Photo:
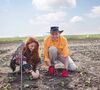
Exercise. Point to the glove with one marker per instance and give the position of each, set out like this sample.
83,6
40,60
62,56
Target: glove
51,70
64,73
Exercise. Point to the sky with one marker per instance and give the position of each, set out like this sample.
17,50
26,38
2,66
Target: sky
35,17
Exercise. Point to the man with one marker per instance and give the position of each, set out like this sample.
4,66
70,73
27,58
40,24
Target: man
56,48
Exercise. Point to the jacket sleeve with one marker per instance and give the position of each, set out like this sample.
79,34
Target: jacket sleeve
38,63
18,50
46,56
65,51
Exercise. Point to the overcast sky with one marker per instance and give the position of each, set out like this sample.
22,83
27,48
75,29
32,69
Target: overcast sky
35,17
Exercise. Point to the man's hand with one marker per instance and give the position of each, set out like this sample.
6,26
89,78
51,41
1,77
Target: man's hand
48,63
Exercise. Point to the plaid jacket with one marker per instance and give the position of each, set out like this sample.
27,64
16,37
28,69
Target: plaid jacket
18,56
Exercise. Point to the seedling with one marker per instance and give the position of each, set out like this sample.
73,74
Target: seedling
62,84
6,87
78,67
17,73
11,79
88,80
30,77
81,73
26,85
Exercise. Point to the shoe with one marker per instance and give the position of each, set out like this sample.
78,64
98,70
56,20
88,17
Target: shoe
13,64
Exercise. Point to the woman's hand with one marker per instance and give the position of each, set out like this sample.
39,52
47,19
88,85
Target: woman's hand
35,75
37,72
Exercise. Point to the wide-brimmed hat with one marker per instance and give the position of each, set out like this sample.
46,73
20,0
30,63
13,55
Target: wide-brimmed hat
55,29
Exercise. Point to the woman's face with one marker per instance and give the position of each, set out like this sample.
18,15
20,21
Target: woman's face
32,46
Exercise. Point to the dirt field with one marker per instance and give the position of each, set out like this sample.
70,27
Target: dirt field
85,53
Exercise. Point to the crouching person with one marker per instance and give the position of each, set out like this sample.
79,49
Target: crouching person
27,54
56,48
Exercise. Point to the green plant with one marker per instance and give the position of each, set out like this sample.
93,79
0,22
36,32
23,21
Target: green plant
26,85
7,87
62,84
88,80
78,67
30,77
81,73
11,79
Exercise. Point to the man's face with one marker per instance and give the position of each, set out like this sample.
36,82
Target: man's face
55,36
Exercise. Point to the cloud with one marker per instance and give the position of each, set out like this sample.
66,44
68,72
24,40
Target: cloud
53,4
76,19
95,12
98,28
48,18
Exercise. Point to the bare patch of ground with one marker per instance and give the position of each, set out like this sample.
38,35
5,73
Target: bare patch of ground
85,53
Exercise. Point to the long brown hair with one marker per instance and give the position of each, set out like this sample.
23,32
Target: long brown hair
31,56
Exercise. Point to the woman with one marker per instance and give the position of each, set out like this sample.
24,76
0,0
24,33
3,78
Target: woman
28,53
